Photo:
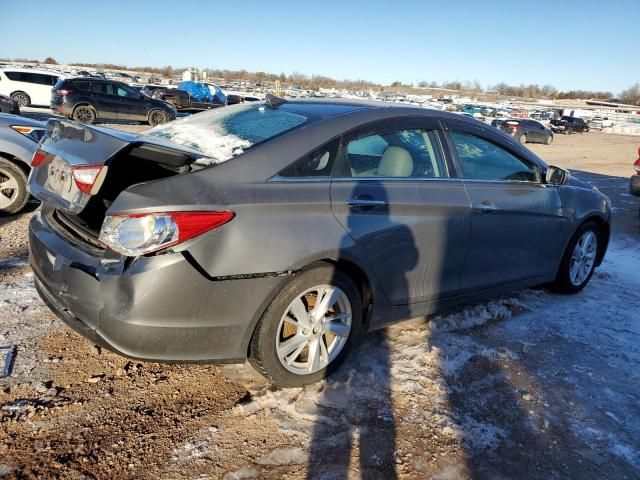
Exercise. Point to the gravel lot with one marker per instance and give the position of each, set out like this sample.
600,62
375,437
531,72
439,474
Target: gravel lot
530,385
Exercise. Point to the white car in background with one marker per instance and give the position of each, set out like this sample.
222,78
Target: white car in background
28,86
601,122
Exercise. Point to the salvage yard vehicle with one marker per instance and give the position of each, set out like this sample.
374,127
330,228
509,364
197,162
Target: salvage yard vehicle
86,100
634,181
569,125
181,99
7,105
282,230
19,137
599,123
526,131
27,86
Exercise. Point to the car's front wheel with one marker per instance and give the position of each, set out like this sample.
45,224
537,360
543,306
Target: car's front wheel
522,139
579,260
308,329
549,139
13,187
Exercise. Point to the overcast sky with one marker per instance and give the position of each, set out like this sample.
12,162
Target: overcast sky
569,44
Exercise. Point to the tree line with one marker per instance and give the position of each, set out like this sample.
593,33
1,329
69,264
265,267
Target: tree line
314,82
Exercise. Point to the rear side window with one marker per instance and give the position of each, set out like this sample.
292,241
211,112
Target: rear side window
15,76
413,153
484,160
318,163
102,87
81,85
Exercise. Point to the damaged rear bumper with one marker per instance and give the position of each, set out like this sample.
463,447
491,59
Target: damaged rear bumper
157,308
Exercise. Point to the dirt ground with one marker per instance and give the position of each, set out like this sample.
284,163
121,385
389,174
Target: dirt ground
419,400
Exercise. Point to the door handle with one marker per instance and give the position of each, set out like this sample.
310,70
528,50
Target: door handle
486,207
365,202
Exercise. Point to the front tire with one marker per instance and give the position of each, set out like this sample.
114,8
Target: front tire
21,98
308,329
579,260
13,187
549,140
522,139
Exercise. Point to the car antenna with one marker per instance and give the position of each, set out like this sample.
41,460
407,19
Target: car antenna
274,101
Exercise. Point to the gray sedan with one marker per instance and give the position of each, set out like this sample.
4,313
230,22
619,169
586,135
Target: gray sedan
282,230
18,139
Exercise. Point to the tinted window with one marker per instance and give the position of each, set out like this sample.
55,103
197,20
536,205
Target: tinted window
403,154
319,163
102,87
123,91
484,160
15,76
81,85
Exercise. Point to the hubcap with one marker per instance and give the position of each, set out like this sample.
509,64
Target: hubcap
8,189
314,329
583,258
21,100
84,115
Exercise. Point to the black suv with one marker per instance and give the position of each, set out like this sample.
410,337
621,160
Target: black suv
524,130
569,125
87,99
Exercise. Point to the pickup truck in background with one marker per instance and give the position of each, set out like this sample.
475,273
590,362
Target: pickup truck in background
569,125
601,122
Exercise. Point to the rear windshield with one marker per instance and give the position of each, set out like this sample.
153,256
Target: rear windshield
229,131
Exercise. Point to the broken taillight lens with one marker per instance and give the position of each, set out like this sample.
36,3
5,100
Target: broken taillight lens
636,166
86,177
139,234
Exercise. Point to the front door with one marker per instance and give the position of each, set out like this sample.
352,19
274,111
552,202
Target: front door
393,193
132,105
516,218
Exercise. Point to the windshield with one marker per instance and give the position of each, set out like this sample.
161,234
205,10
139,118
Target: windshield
226,132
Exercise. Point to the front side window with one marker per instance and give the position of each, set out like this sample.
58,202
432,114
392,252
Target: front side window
484,160
413,153
123,91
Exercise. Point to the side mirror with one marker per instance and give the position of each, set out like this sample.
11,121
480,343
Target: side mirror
557,176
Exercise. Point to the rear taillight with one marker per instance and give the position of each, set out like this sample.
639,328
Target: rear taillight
636,166
40,157
88,178
139,234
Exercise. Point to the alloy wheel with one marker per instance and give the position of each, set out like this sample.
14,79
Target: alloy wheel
314,329
83,115
583,258
8,189
21,99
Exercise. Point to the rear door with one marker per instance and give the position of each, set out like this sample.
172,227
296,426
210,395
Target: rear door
394,193
516,218
105,100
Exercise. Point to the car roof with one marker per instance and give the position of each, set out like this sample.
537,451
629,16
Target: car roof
32,70
8,119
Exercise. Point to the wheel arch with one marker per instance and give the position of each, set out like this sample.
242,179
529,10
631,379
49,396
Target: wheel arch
24,166
604,229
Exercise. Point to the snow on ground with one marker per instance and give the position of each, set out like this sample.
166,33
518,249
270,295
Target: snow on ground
531,370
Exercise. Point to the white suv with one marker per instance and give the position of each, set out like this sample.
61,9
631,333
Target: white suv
28,87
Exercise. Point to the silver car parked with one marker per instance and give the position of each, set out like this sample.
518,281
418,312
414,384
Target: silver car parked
282,230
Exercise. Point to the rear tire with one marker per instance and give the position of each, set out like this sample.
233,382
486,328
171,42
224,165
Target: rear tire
84,114
13,187
269,349
21,98
522,139
568,131
158,117
566,281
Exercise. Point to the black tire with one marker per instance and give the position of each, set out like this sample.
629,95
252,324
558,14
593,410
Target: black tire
21,98
12,200
568,131
563,283
262,351
84,114
549,140
522,139
157,117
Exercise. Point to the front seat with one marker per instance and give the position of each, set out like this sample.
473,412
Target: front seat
395,162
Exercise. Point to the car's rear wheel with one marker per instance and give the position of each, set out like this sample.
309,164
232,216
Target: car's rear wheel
549,139
84,114
579,260
568,130
13,187
21,98
158,117
522,139
308,329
